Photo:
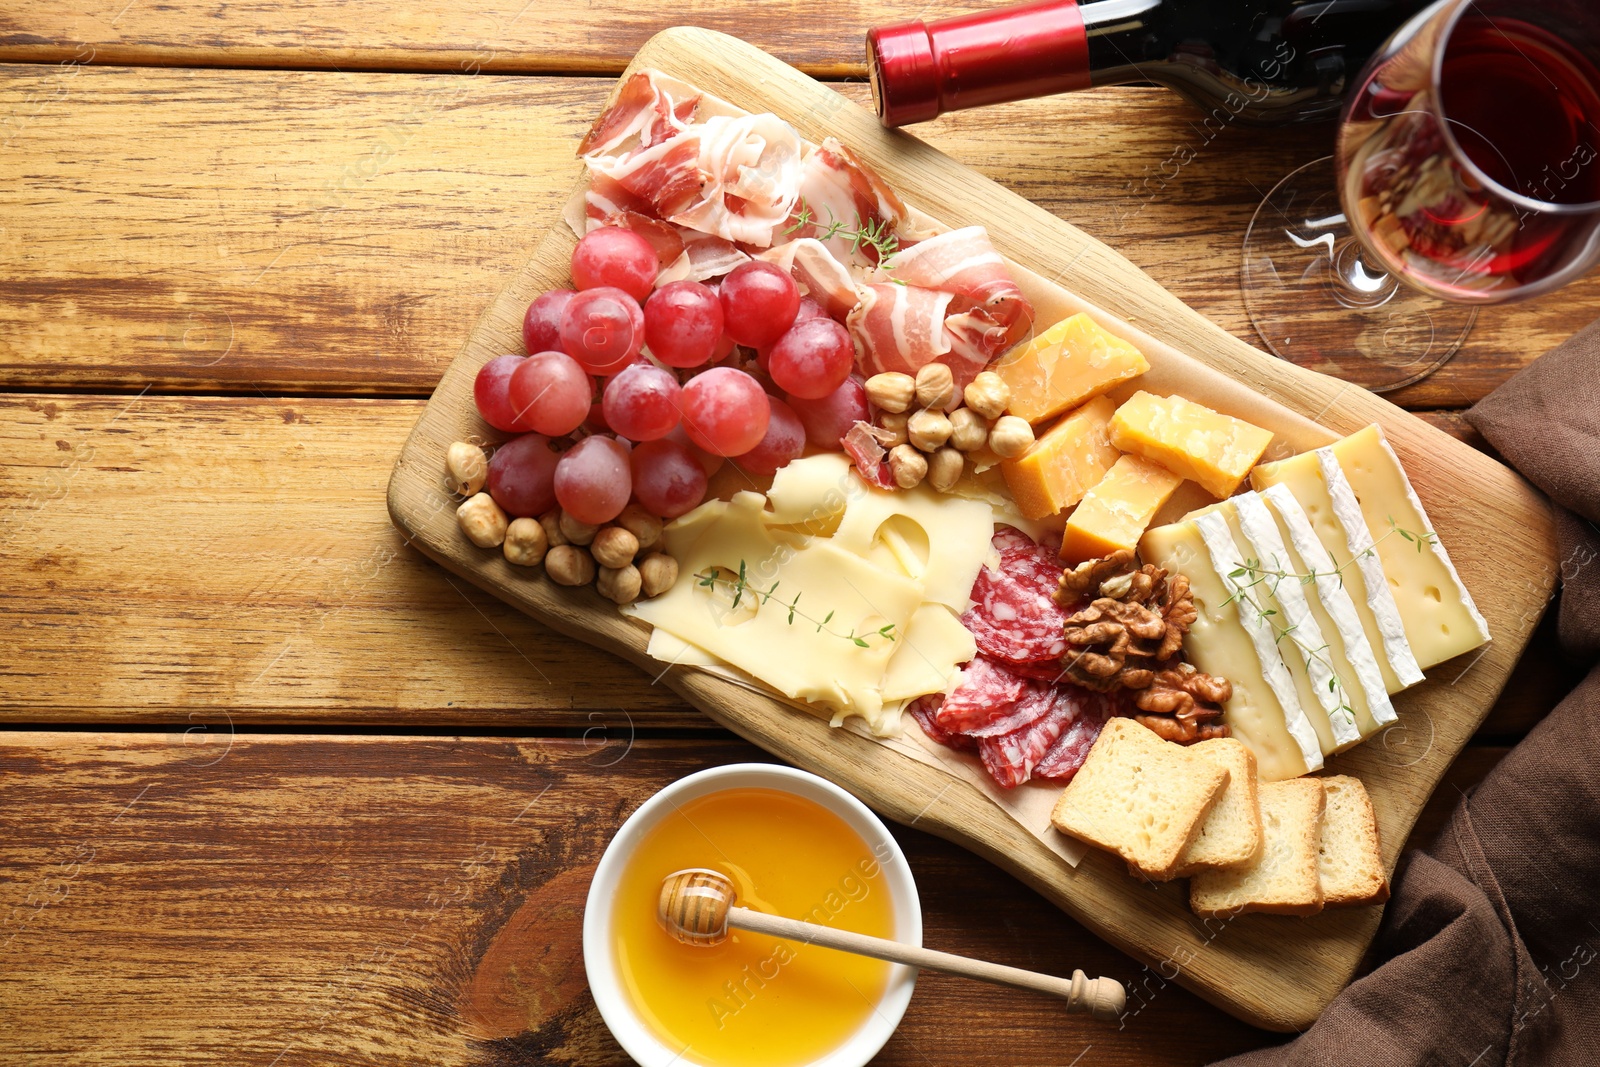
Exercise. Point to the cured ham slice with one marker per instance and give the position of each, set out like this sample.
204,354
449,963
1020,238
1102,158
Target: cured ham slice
647,112
703,256
837,187
899,327
818,274
607,203
964,262
861,444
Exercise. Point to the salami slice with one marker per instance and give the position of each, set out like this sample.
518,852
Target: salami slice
926,711
1011,758
1036,702
1014,617
985,693
1089,712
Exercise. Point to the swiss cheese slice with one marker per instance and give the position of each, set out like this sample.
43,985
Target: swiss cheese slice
1440,619
1331,507
1334,689
929,656
1218,644
1336,614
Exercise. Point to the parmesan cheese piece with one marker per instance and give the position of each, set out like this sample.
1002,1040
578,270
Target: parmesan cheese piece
1218,644
1190,439
1440,619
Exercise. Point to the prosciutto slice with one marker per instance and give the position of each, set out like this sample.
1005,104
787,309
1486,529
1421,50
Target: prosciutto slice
899,327
991,312
646,112
818,273
837,187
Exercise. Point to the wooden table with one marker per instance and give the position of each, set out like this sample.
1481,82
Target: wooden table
273,789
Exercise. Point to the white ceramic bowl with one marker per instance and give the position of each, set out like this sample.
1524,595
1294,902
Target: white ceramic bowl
600,963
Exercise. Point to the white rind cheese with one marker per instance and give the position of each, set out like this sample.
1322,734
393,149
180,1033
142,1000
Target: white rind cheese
1218,539
1345,631
1305,634
1440,619
1380,598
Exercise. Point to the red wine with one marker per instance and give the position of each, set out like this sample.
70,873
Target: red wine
1260,62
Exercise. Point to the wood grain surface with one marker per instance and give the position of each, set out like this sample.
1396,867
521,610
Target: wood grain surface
1273,974
290,232
329,901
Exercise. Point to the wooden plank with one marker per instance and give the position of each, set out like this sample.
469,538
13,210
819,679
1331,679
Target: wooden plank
1500,532
241,559
288,231
513,36
297,901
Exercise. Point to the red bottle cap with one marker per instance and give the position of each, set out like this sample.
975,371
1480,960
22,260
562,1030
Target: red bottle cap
921,70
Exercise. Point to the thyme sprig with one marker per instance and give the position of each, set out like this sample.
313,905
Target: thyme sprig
874,234
740,586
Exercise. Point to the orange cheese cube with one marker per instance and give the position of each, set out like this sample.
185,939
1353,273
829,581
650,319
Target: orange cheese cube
1064,366
1190,439
1060,467
1113,515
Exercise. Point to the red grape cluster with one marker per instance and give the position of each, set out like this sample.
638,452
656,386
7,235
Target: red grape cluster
653,377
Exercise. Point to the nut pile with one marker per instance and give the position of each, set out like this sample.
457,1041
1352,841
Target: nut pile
929,430
618,558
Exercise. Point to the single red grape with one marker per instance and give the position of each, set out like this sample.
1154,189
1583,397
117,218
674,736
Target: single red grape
614,256
827,420
785,439
708,463
667,480
812,359
490,393
725,411
809,309
541,326
602,329
550,393
759,302
520,476
592,481
683,324
641,403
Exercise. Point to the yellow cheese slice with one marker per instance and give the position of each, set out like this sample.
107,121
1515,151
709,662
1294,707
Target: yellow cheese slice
1440,619
1115,513
929,656
1065,365
1218,644
938,539
1190,439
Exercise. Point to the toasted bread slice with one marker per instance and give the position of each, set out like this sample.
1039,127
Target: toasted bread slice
1285,880
1350,860
1140,797
1230,837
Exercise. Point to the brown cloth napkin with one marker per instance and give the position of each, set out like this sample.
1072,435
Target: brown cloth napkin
1489,953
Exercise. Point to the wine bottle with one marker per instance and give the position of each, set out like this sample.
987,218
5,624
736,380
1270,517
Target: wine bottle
1257,62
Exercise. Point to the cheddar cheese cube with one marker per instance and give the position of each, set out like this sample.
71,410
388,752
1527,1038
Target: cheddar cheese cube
1190,439
1069,363
1114,514
1061,465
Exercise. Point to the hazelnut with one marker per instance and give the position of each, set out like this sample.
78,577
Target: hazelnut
526,543
928,429
988,395
944,468
639,522
569,565
936,386
482,521
551,521
614,547
968,430
577,533
619,584
658,572
908,466
467,468
891,392
895,424
1011,437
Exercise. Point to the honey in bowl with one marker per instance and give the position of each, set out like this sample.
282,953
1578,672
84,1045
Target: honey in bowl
753,1000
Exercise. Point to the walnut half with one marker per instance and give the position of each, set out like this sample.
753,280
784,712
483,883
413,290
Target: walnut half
1182,704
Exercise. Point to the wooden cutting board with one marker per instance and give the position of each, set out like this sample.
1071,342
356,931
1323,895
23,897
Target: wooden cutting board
1272,971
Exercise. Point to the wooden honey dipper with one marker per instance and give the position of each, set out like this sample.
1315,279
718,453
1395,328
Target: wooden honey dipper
697,906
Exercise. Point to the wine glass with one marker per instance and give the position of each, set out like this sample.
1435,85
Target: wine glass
1467,172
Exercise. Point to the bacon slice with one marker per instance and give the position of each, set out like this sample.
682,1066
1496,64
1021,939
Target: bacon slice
898,327
646,110
818,274
837,186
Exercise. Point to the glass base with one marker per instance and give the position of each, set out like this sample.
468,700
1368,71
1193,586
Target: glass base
1317,303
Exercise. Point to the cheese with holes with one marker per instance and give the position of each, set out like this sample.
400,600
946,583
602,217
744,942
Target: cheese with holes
1331,507
758,636
1336,613
1064,463
1065,365
1114,514
1440,619
1333,688
1190,439
1218,644
930,654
